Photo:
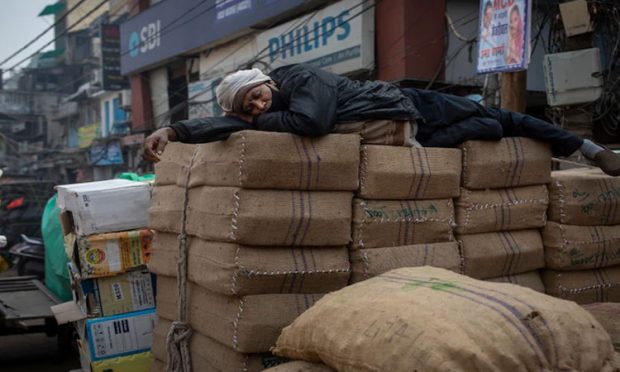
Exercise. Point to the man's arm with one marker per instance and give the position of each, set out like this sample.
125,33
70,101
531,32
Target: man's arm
312,107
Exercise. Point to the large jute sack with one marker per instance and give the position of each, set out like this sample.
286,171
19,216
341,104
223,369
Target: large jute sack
234,269
501,209
270,217
271,160
489,255
173,164
509,162
431,319
571,247
608,314
368,263
164,254
379,132
300,366
166,208
530,279
247,324
390,223
391,172
208,355
584,196
584,286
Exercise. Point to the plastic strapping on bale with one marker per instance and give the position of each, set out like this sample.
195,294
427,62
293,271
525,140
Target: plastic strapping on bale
177,340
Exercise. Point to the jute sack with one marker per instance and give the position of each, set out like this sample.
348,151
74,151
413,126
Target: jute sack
164,254
270,217
389,223
233,269
300,366
391,172
270,160
608,314
247,324
584,196
173,163
489,255
208,355
584,286
166,208
368,263
570,247
516,208
531,280
509,162
379,132
431,319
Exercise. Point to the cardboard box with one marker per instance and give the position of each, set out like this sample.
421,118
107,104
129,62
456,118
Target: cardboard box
124,293
104,206
119,335
108,254
140,362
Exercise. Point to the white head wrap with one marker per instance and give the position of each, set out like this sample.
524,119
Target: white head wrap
231,90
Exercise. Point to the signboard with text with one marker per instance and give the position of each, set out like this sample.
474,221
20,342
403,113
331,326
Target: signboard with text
504,35
111,58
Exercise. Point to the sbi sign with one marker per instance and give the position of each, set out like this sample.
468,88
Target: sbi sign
147,39
305,39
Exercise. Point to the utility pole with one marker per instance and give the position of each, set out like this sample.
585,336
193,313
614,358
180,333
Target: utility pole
513,91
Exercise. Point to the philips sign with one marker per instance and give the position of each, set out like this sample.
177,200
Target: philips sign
339,38
147,39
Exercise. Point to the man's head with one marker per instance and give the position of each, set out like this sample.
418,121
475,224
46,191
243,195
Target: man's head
488,14
245,92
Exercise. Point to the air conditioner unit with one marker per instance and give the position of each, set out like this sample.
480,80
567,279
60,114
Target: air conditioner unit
125,98
573,77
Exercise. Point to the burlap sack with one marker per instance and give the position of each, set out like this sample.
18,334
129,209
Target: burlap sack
270,160
431,319
584,286
608,314
390,172
300,366
270,217
233,269
247,324
166,208
509,162
531,280
173,164
208,355
165,253
570,247
501,209
489,255
379,132
368,263
389,223
584,196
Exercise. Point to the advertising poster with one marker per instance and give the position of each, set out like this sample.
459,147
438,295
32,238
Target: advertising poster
504,35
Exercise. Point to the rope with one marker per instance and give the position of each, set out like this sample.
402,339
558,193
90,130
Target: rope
557,160
177,340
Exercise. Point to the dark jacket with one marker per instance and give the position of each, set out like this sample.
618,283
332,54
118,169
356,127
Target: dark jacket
316,101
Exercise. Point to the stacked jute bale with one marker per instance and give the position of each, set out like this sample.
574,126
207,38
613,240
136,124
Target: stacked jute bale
502,206
582,238
268,219
403,213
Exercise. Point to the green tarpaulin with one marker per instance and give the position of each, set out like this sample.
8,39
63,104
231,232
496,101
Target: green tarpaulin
56,274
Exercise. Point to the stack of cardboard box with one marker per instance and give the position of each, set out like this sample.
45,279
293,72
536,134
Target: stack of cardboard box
582,238
502,206
108,245
268,219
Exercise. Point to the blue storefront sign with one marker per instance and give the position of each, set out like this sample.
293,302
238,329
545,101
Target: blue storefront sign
170,28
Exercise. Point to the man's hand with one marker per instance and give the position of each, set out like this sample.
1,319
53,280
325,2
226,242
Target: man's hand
155,144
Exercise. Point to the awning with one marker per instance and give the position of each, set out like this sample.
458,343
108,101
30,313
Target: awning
52,9
51,53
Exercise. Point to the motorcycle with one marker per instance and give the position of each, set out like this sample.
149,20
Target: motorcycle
28,256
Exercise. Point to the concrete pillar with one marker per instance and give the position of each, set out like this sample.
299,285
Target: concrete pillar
141,107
